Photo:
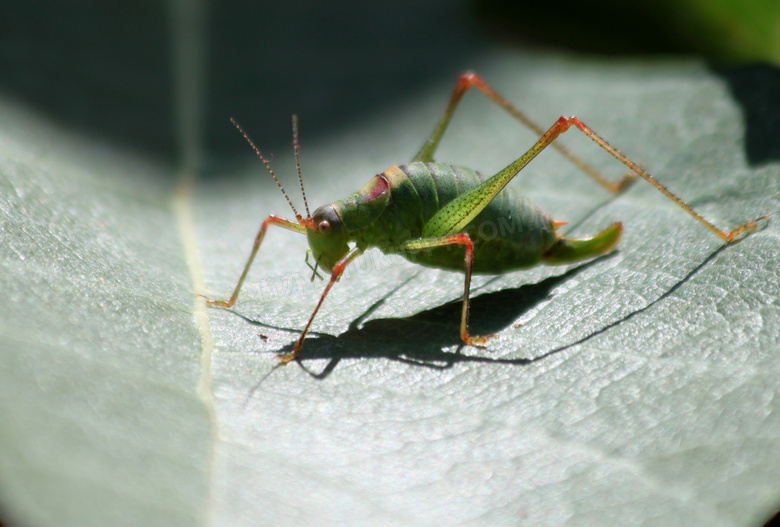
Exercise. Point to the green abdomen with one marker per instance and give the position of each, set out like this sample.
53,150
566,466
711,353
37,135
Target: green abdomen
510,233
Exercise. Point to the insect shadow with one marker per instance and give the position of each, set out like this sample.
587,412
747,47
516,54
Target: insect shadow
421,338
411,340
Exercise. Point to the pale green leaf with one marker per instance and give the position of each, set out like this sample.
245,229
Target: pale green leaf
637,389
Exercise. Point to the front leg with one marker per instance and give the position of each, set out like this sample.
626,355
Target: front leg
270,220
338,269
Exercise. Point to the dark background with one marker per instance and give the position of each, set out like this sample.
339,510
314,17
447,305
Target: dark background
108,68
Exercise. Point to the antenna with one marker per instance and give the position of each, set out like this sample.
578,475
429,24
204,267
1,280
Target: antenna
297,147
267,166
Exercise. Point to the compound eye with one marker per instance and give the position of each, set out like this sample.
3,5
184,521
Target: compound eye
326,220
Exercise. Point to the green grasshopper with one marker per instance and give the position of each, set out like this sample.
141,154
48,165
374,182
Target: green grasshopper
423,209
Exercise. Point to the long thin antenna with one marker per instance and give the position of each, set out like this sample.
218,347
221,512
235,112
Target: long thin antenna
297,147
267,166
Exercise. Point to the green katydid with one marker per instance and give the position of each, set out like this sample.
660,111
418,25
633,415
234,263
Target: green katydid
422,209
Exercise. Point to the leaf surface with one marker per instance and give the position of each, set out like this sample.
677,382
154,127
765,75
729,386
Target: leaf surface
639,388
